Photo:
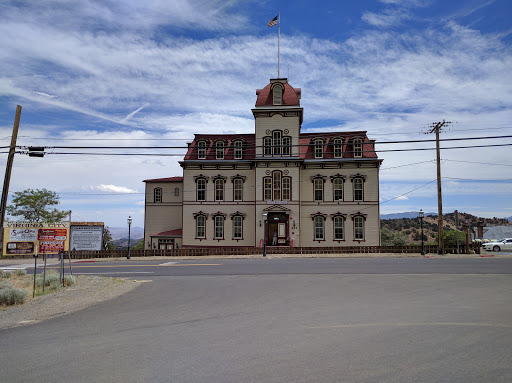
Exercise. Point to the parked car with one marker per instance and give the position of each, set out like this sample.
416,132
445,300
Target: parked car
502,244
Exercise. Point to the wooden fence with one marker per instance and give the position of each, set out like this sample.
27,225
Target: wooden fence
234,251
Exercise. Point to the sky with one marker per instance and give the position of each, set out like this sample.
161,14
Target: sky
154,73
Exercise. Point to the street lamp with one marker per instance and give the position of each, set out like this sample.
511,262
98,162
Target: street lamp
129,220
422,244
265,234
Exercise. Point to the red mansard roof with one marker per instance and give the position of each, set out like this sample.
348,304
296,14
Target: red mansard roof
248,142
291,95
306,142
169,179
176,233
307,147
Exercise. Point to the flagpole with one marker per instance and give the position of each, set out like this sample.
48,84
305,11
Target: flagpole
278,38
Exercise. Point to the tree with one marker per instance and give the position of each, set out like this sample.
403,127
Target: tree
393,238
108,242
139,245
33,206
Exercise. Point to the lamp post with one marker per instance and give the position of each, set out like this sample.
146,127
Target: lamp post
129,220
422,244
265,234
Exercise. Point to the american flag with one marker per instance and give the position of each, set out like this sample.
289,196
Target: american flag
272,22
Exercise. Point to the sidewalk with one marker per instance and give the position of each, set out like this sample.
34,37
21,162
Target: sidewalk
23,263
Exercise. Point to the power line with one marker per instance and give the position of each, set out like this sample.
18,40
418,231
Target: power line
477,162
261,146
266,157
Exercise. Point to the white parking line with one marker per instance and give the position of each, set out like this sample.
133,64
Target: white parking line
167,263
118,272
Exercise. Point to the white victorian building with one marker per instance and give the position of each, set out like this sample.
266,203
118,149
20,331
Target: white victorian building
277,185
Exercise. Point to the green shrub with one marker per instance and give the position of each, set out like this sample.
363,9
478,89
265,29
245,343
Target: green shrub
69,280
12,296
1,273
7,274
6,285
54,285
21,272
51,277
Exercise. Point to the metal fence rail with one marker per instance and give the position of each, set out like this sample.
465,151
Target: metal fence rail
234,251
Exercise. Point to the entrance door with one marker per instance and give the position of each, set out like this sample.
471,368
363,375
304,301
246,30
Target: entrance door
277,226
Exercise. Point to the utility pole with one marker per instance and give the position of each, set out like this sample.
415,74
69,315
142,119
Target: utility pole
8,168
440,247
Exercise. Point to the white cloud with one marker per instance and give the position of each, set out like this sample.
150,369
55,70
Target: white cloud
112,189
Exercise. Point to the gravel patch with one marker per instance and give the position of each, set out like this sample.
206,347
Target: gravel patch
87,291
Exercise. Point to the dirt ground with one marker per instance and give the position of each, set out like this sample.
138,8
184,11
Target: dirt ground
87,291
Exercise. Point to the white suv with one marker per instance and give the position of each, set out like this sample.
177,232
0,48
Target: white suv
502,244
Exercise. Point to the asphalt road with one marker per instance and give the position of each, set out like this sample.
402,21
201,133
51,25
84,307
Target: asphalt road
281,320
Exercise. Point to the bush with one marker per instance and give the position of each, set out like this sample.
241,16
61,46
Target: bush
6,285
51,277
12,296
21,272
7,274
54,285
69,280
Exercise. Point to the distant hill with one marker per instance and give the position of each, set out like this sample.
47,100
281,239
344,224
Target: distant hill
411,226
123,242
122,232
407,214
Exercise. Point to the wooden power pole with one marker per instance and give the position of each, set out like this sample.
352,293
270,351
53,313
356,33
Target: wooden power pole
8,168
440,232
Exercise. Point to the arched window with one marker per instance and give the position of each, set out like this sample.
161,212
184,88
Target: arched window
201,189
157,195
276,184
277,142
267,189
238,219
218,226
358,189
219,189
238,150
201,150
338,148
238,184
287,145
338,223
359,228
278,95
357,147
319,148
318,186
337,188
267,146
200,226
319,227
287,188
219,150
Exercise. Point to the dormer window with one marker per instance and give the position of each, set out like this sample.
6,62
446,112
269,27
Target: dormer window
219,146
319,148
238,150
358,147
338,148
278,95
201,150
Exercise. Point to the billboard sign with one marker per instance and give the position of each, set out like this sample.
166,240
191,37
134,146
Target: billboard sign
86,237
22,237
14,248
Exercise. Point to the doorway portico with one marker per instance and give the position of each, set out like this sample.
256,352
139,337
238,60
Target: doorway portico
277,226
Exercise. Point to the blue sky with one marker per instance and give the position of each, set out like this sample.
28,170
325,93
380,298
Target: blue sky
153,73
